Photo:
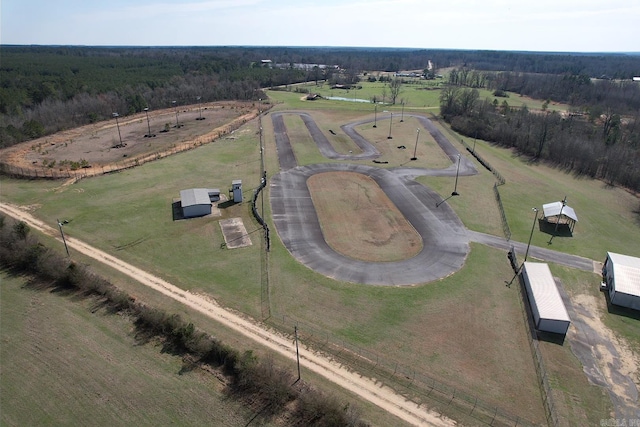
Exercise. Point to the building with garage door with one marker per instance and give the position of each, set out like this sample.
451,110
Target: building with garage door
548,309
197,201
621,274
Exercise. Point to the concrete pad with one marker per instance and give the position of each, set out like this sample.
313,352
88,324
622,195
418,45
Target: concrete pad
235,234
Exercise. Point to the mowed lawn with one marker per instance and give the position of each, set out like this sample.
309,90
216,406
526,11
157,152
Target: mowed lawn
65,363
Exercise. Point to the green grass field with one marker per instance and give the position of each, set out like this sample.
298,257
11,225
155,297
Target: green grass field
434,328
65,363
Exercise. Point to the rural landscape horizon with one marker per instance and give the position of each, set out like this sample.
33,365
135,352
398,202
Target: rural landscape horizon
203,224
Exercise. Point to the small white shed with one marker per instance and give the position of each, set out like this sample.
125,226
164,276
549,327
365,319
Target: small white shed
560,213
622,276
549,312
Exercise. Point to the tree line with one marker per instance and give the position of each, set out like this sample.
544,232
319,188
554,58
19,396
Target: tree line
45,89
268,389
605,147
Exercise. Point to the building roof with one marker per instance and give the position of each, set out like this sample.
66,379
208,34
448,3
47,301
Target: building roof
626,272
553,209
545,292
195,196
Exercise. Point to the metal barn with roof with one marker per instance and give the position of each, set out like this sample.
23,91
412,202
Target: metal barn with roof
621,274
559,213
547,307
197,201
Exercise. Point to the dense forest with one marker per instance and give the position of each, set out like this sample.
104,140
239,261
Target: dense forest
45,89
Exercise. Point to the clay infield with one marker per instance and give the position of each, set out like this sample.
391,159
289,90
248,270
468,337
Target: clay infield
445,243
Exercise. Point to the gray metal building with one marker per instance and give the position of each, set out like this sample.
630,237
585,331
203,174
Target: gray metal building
549,312
622,277
197,201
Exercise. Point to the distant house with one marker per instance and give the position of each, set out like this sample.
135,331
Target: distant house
621,274
636,79
197,201
266,63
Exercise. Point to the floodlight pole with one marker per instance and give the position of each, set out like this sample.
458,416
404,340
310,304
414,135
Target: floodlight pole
375,115
146,110
66,248
555,230
390,122
402,116
118,126
535,216
175,105
455,187
199,98
415,149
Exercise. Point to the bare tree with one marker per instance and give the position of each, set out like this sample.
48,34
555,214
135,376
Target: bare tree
395,86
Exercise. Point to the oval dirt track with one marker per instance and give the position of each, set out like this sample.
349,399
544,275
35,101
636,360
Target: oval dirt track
445,241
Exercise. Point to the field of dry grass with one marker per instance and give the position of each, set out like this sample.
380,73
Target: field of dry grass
359,221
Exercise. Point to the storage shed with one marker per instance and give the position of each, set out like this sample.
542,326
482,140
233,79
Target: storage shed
547,307
197,201
621,274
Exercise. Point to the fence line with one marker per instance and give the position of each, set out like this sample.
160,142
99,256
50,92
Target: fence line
543,377
128,163
414,385
503,216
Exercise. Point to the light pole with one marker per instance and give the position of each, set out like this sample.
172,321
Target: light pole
199,98
455,187
402,115
535,216
555,230
66,248
149,135
416,147
390,121
118,126
175,105
375,115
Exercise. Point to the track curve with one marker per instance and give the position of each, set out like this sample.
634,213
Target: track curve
445,240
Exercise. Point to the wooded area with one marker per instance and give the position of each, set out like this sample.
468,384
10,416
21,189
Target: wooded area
45,89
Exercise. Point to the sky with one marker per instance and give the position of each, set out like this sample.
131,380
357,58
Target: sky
538,25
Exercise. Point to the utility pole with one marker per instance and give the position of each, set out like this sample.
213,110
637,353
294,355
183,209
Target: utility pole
415,149
66,248
555,230
455,187
390,121
375,116
295,329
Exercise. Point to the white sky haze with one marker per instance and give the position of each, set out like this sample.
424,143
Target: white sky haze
541,25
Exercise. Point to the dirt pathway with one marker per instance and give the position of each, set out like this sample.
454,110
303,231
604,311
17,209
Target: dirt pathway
366,388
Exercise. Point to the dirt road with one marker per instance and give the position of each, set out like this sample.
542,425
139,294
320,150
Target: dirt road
366,388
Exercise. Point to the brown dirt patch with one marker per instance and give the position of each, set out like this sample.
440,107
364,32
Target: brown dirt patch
97,146
359,221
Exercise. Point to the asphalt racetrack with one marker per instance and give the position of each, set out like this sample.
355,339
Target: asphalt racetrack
445,239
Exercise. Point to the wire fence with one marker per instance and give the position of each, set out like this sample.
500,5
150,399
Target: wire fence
411,383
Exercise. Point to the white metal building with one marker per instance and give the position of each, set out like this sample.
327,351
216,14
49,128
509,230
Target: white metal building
560,213
622,276
197,201
549,312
